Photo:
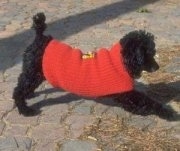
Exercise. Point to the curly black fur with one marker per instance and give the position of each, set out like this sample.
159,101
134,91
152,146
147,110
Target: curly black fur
32,75
138,53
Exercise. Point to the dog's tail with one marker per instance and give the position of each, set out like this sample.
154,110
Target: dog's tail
39,23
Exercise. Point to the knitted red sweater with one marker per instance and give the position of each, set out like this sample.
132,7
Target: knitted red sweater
100,75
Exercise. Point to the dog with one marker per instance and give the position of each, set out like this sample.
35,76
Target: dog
133,54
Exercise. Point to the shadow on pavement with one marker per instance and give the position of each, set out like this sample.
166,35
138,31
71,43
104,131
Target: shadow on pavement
11,48
161,92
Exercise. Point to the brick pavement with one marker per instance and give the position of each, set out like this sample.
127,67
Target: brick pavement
68,122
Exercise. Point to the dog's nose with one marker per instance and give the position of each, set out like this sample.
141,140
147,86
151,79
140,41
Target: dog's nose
154,68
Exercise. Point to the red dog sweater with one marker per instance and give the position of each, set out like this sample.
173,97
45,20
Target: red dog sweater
102,74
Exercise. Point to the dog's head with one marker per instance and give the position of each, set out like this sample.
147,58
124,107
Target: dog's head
138,52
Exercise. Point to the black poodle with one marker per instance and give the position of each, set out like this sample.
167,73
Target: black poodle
138,51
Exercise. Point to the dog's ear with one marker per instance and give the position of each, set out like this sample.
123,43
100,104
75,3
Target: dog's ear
134,61
139,57
133,53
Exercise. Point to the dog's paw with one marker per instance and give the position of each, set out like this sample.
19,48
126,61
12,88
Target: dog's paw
167,113
27,111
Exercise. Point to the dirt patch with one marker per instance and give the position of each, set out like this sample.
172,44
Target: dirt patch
113,134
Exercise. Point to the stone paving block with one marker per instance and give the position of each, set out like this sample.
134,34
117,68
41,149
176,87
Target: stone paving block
20,18
6,105
54,114
78,145
46,145
12,143
7,89
24,143
15,130
12,74
1,77
2,24
174,66
2,114
8,144
89,102
6,33
176,132
2,126
2,28
82,109
117,112
13,26
166,125
4,62
48,132
77,123
143,123
99,109
5,20
26,25
15,118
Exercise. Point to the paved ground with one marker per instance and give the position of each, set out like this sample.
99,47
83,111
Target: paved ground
70,123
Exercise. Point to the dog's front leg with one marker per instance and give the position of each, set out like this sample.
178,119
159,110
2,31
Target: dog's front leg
138,103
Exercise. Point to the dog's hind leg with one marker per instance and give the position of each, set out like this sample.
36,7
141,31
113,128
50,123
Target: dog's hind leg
27,83
32,75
